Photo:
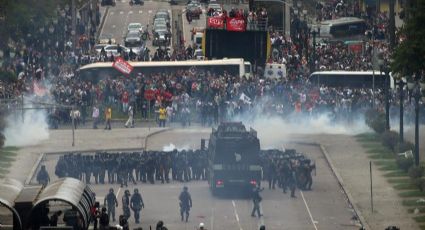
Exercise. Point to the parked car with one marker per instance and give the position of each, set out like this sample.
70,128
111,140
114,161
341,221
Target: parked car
162,14
133,38
108,3
194,10
135,26
114,49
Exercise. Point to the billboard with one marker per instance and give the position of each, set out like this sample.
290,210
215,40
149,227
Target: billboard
249,45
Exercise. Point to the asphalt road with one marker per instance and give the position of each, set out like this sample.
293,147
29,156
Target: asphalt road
323,208
122,14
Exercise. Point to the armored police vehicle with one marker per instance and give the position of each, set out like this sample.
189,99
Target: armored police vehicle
234,159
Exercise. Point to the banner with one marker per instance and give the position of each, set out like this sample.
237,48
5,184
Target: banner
121,65
235,24
215,22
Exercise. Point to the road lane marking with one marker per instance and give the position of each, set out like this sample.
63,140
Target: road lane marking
112,13
118,193
130,12
113,26
121,12
308,210
140,11
236,215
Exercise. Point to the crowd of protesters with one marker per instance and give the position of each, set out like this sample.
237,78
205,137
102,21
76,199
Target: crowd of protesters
207,97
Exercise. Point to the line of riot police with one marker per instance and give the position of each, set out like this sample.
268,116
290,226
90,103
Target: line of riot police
287,169
125,167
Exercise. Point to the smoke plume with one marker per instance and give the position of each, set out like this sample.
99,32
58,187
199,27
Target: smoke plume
26,127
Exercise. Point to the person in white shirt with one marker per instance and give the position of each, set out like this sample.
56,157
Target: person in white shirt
95,116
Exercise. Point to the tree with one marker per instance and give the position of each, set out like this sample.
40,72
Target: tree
2,126
18,18
409,56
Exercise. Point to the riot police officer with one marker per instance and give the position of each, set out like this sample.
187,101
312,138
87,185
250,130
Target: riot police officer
185,203
126,204
43,177
111,202
136,204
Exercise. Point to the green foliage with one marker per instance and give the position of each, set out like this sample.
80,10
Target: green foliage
409,56
419,183
8,76
402,147
375,120
416,172
390,139
23,16
404,163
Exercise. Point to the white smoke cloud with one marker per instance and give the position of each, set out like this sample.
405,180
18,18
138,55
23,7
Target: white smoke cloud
26,128
171,147
274,129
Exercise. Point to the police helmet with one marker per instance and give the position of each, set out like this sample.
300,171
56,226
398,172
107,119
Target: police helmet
103,209
201,225
185,188
136,190
127,191
111,190
262,227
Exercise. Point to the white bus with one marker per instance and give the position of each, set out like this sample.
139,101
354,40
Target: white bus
234,66
342,29
353,79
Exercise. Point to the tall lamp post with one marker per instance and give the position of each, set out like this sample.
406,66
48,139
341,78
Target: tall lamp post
386,71
401,83
417,94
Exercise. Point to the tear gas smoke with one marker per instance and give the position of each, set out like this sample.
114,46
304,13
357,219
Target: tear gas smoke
170,147
274,128
26,128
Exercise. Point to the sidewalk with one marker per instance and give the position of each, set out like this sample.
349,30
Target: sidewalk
352,164
85,140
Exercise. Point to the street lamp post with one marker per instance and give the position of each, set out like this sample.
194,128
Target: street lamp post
315,32
417,96
384,69
401,85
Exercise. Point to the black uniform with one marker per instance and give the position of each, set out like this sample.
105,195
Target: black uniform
136,204
185,203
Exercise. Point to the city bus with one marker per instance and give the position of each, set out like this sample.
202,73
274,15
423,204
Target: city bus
234,66
353,79
342,29
234,163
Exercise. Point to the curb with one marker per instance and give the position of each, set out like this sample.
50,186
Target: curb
346,192
34,169
154,133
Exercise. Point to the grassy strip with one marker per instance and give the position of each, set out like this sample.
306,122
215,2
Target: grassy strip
419,219
381,156
397,173
420,209
413,203
7,156
412,193
422,227
405,186
399,180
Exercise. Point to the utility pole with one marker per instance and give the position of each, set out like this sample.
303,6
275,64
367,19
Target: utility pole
392,24
74,25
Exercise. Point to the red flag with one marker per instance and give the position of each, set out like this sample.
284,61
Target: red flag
39,91
121,65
